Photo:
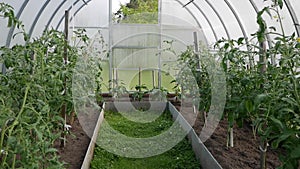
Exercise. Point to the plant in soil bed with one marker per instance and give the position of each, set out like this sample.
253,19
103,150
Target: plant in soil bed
266,94
140,92
118,89
31,93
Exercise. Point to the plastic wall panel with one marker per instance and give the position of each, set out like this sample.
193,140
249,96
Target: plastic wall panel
135,35
182,35
135,58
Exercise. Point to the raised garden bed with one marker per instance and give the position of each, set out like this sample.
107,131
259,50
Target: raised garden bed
244,154
202,154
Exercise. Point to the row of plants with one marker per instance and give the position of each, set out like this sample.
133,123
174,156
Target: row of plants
180,156
36,96
260,92
118,90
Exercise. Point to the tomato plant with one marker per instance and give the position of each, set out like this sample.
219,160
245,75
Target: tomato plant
269,99
32,91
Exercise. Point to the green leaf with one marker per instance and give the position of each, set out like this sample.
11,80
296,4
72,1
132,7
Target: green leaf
291,101
280,3
39,134
260,98
288,110
296,152
51,150
240,41
277,122
249,106
283,137
231,119
277,45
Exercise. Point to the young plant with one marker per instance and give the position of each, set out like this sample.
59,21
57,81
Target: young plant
140,91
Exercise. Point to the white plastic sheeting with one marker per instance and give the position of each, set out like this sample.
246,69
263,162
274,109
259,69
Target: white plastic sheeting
177,20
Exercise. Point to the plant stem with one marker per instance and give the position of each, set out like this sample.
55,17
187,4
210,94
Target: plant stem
14,161
15,122
231,136
263,154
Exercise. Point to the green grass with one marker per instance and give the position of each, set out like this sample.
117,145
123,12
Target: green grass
179,157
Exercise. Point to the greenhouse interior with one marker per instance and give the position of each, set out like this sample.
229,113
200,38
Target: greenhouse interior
150,84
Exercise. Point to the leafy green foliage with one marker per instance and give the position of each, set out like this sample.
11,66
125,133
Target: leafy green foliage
7,11
140,91
38,81
269,100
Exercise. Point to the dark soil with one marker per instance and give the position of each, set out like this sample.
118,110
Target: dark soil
74,151
244,155
78,140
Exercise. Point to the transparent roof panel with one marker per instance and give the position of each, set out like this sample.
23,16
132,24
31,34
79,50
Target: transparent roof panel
214,19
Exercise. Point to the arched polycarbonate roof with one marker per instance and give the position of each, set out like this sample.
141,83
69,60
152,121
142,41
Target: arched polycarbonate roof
229,19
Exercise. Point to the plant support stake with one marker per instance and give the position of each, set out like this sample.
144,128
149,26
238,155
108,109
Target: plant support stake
263,68
64,106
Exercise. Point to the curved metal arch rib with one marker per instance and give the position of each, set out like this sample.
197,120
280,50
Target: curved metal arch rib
62,18
37,17
242,28
11,30
238,20
189,11
208,21
75,13
293,15
90,0
220,18
54,13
